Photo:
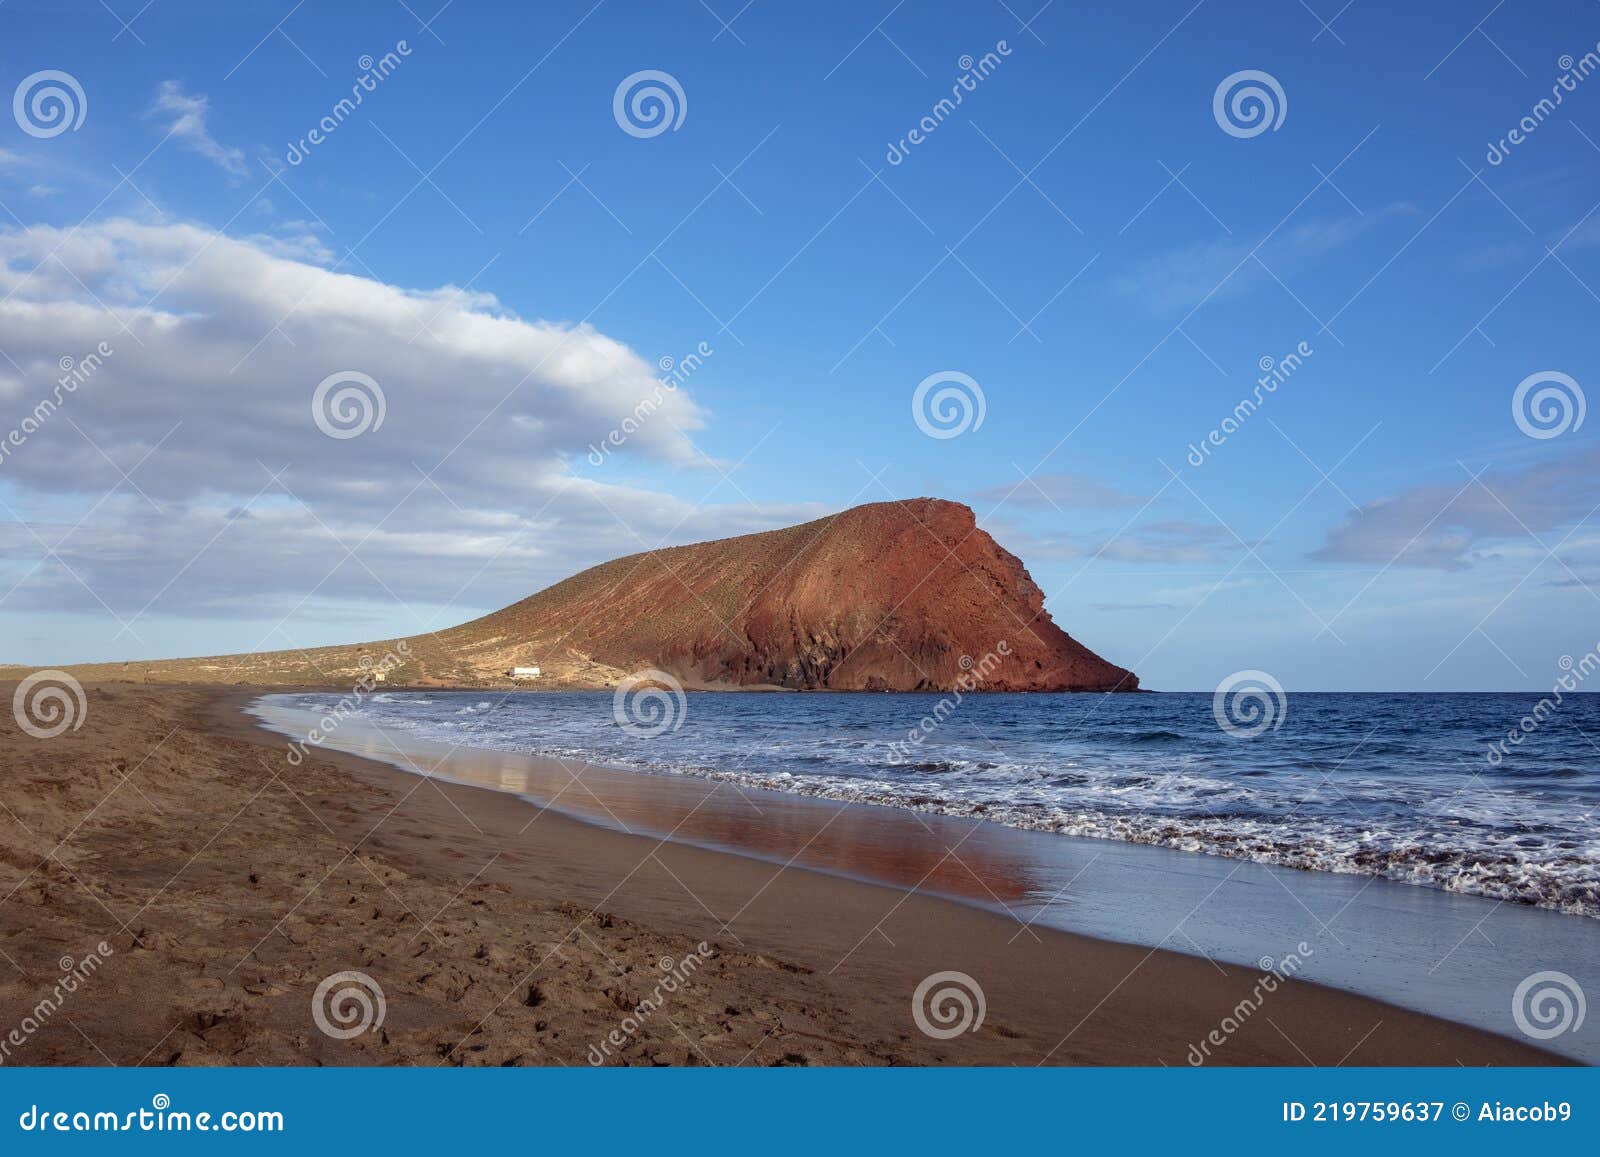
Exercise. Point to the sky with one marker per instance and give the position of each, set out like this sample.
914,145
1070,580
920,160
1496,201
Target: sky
1292,382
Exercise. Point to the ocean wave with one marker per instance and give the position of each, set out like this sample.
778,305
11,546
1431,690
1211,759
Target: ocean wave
1568,881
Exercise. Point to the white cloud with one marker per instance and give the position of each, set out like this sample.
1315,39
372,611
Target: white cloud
1452,525
1183,278
1173,542
1158,542
1062,491
186,121
226,339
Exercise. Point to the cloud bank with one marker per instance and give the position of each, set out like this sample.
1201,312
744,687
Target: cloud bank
1453,525
190,468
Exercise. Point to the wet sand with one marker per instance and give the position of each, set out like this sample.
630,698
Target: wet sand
228,883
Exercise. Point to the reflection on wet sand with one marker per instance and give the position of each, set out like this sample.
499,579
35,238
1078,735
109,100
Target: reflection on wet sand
939,853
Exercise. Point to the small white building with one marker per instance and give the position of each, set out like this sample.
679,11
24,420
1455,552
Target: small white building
523,672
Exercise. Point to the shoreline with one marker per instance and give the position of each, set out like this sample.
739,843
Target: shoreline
1410,946
537,932
1304,850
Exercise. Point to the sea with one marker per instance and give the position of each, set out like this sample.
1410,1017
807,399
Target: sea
1430,790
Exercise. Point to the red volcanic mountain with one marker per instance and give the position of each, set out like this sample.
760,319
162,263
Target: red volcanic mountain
893,596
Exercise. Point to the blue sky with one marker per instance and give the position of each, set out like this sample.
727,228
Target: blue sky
1080,236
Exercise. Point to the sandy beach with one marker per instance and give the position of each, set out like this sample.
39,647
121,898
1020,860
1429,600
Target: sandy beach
226,884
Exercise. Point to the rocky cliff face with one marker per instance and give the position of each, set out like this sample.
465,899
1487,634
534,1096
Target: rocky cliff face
893,596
